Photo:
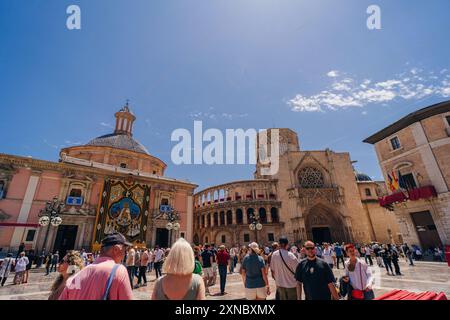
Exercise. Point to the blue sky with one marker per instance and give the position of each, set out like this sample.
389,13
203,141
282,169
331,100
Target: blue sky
312,66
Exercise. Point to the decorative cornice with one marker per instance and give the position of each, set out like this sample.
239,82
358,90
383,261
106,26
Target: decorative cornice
61,167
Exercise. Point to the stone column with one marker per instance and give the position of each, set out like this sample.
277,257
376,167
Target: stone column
244,214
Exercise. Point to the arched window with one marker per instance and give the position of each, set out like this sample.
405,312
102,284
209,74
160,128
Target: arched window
75,192
229,217
216,219
274,215
250,214
239,216
262,215
222,218
309,177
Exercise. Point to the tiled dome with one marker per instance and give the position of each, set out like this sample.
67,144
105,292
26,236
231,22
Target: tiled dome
362,177
119,141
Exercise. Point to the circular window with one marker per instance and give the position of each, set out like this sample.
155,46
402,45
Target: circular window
310,178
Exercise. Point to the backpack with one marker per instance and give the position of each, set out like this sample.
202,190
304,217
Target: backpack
197,268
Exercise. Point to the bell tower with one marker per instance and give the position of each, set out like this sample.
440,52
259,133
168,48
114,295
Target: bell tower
124,121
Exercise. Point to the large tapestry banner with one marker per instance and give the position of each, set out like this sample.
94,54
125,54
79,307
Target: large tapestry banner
124,209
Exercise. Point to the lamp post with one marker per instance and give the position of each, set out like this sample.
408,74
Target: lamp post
255,225
173,223
50,216
172,217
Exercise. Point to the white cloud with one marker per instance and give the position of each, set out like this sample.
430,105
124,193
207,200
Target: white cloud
216,116
333,74
351,92
107,125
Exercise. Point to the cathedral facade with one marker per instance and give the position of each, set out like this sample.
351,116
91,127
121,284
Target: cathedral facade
315,195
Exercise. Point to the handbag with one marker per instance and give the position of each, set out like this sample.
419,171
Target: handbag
356,293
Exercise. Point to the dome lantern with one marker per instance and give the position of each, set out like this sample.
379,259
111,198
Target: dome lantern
124,121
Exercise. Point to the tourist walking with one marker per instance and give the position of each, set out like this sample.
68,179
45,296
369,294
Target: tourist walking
368,254
233,258
55,260
214,263
283,264
71,264
327,255
359,276
5,268
106,278
151,260
143,268
137,265
395,257
387,259
254,275
48,262
315,277
223,257
159,258
242,254
207,263
377,252
131,265
179,283
339,254
408,254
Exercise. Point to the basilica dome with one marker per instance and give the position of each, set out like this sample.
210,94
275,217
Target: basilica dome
117,149
119,141
362,177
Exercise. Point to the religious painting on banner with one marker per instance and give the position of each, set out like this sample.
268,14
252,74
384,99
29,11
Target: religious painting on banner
124,208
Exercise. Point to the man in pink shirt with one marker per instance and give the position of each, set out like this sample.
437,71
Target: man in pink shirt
91,283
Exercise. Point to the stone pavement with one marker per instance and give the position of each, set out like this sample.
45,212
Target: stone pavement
425,276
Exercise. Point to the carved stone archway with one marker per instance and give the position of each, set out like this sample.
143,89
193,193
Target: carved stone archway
325,224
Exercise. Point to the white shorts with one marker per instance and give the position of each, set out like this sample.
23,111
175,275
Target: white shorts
208,272
252,294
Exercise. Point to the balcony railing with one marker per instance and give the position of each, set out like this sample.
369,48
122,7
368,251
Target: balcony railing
415,194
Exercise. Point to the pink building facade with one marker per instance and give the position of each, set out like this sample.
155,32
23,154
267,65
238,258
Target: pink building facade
110,184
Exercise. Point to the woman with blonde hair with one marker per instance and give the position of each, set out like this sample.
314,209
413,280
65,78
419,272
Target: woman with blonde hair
69,265
179,283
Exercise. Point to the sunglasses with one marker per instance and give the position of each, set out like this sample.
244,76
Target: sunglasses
310,248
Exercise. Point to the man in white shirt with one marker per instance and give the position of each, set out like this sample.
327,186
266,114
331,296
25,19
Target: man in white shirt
283,264
368,254
327,255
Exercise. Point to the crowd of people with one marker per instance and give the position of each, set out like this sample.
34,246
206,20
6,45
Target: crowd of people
188,272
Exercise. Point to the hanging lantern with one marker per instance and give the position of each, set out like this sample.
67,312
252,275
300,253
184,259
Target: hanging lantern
56,221
44,221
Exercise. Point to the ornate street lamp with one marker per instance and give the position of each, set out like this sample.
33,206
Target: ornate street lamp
49,216
172,224
255,225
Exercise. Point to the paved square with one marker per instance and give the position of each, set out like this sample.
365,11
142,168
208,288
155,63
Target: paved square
425,276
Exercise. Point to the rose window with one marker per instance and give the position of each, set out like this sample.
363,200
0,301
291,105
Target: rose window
310,178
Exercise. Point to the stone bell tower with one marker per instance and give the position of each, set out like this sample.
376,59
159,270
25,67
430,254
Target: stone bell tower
280,140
